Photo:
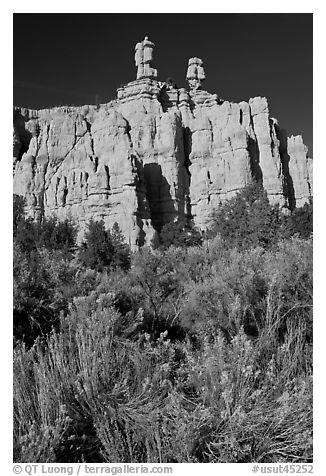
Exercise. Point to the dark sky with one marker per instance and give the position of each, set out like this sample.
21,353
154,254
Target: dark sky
82,58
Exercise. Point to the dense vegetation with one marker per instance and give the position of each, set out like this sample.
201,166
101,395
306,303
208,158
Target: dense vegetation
198,351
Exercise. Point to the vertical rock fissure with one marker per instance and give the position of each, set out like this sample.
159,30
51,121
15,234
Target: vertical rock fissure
254,153
285,160
106,168
187,144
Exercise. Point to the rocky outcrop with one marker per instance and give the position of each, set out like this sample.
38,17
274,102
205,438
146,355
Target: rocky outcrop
155,153
300,170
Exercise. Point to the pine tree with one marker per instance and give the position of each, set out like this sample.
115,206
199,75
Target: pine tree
102,249
248,219
121,256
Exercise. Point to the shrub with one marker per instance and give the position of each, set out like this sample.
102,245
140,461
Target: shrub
287,316
94,394
102,249
159,278
121,257
241,411
194,354
180,233
96,251
247,219
44,284
229,296
99,397
56,235
300,222
24,231
47,232
19,204
32,296
255,289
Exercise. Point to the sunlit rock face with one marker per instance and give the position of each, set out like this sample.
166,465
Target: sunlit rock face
155,153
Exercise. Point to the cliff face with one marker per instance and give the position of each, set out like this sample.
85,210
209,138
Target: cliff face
155,153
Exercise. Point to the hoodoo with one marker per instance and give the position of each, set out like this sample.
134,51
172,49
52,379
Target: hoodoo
155,153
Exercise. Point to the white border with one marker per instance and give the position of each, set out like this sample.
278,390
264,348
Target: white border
166,6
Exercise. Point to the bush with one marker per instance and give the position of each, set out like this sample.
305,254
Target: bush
98,402
194,354
230,296
46,232
32,296
157,279
56,235
247,219
89,394
180,233
254,289
103,249
44,284
19,204
121,257
300,222
24,231
287,317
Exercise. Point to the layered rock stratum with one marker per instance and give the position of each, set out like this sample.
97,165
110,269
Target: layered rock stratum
154,154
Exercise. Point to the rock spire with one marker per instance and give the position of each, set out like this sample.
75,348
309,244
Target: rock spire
143,59
195,73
